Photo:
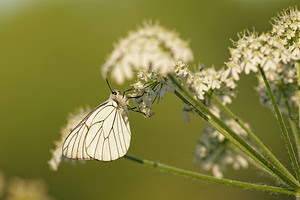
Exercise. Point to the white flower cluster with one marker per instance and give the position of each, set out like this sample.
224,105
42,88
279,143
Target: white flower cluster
283,83
287,27
269,50
209,79
204,82
276,52
151,47
215,153
72,121
252,51
150,87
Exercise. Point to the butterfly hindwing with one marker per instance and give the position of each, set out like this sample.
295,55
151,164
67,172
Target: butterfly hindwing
110,139
74,144
104,134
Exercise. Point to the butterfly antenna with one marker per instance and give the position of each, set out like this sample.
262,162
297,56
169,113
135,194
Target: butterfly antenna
108,84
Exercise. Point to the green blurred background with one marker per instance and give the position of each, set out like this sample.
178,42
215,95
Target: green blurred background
50,56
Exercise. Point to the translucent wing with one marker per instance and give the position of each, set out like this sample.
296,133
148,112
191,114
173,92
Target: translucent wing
109,137
102,135
74,145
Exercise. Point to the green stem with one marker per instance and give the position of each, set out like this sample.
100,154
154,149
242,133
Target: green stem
230,135
292,123
210,178
255,138
282,125
298,74
296,135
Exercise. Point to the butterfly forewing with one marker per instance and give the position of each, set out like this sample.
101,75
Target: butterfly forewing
104,134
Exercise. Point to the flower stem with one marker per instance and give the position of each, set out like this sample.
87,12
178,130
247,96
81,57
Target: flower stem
296,135
292,123
230,135
298,74
255,138
192,174
282,125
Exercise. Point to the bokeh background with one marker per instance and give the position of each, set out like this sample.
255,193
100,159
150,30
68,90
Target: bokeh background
50,57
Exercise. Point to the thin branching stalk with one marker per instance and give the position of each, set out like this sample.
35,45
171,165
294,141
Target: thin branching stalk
282,125
192,174
255,138
292,124
298,88
244,146
230,135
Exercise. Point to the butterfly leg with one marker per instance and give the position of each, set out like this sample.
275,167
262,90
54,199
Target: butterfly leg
136,97
127,91
135,110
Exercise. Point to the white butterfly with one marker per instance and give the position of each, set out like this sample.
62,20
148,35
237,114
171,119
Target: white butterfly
104,134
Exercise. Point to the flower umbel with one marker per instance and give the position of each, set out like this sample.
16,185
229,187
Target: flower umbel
215,153
72,121
150,86
276,52
150,47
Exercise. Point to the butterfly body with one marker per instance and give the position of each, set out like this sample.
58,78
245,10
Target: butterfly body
121,100
104,134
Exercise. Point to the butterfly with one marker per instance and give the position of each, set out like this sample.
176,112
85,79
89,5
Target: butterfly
104,134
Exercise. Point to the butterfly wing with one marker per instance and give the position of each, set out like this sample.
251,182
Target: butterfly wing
74,145
104,134
109,137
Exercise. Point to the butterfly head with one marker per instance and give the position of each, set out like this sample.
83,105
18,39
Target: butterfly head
115,93
119,98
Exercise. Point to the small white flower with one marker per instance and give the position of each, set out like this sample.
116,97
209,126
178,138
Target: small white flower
217,172
215,110
290,33
226,99
295,49
221,137
138,85
269,64
236,127
230,82
201,151
181,70
249,64
229,159
144,104
234,70
242,161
